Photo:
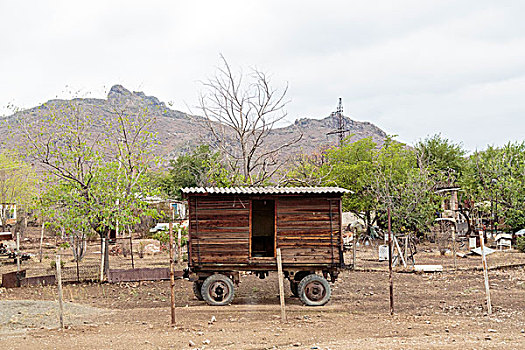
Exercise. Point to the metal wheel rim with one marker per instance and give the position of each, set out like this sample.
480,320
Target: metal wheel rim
315,291
219,291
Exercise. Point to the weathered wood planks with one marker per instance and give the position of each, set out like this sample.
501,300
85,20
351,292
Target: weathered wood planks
308,230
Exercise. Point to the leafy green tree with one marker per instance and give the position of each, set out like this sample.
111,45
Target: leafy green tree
95,177
444,159
17,185
352,167
202,167
379,177
306,170
497,175
406,188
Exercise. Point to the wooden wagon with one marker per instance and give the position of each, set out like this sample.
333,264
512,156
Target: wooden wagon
240,228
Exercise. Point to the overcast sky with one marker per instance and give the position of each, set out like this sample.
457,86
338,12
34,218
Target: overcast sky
413,68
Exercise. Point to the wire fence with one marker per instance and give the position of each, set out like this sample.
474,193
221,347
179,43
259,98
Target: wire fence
123,253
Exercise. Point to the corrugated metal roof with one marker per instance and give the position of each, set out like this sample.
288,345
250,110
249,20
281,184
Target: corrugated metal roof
264,190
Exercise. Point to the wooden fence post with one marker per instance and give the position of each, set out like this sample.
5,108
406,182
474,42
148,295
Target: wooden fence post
172,275
179,245
485,272
59,282
354,247
42,238
454,246
281,284
17,251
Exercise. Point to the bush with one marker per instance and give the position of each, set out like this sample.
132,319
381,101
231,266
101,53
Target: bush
53,264
64,245
163,236
520,244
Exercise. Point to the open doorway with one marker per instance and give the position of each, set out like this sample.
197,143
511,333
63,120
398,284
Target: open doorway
263,228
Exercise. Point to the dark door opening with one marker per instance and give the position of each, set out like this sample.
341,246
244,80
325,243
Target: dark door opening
263,228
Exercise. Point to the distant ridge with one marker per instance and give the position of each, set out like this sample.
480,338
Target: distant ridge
178,132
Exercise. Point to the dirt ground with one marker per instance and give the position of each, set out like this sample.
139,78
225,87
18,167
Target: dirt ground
433,311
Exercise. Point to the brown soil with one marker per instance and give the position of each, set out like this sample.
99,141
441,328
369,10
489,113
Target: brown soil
432,311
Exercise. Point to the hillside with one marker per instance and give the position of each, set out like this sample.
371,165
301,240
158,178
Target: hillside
178,132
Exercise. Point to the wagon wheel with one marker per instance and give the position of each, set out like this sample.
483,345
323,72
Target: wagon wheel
294,283
197,286
314,290
217,290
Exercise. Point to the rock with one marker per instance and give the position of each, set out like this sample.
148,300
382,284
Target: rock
297,344
492,330
151,249
207,341
191,343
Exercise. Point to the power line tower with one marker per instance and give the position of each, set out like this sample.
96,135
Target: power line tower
341,127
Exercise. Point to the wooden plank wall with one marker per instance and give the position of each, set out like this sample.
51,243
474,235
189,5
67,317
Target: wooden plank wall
220,229
303,230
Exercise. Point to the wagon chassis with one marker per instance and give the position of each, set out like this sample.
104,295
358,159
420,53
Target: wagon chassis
238,230
314,290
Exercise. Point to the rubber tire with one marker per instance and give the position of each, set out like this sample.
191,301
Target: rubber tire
314,278
300,275
208,282
294,287
197,285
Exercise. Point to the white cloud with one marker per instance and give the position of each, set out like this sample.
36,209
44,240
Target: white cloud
414,68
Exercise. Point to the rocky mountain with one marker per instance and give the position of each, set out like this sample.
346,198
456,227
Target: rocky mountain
178,132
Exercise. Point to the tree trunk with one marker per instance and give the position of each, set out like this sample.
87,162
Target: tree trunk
367,222
106,255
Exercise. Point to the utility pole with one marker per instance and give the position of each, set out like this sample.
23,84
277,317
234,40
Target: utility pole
341,128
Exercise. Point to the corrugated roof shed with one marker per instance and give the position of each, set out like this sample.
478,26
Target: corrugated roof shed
264,190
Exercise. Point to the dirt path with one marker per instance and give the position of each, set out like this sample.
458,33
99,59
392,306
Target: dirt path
259,327
433,311
21,315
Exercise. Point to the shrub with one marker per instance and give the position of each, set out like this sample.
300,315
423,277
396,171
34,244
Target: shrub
520,244
64,245
163,236
54,264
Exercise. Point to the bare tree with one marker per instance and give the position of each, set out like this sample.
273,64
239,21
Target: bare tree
240,116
